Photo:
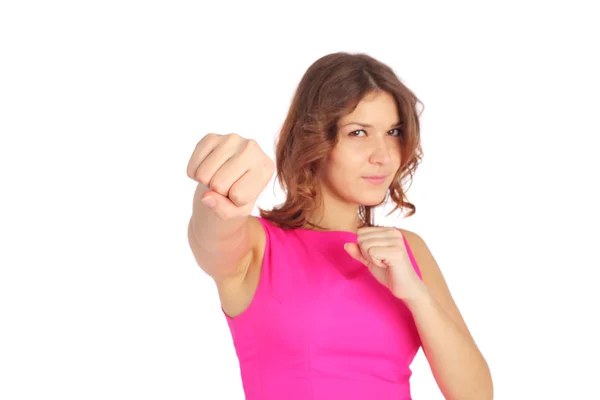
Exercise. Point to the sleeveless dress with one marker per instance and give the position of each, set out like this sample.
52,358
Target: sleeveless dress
320,327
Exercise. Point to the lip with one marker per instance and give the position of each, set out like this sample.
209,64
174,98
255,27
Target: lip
375,179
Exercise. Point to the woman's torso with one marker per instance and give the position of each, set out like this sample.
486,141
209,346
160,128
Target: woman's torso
319,326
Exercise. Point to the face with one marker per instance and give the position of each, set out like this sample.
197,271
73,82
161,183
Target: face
366,158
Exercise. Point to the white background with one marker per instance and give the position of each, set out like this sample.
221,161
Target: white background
102,103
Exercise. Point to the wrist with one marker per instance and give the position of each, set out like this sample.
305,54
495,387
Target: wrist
418,294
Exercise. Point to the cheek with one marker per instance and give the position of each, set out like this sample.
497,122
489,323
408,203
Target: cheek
397,154
351,156
341,174
347,167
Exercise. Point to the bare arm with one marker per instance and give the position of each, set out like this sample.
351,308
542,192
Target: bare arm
222,237
459,368
220,247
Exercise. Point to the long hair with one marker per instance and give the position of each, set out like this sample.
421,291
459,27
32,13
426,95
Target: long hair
331,88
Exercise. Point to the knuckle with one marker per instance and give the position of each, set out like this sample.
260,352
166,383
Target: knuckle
190,173
203,180
208,140
232,138
238,197
218,186
202,176
252,144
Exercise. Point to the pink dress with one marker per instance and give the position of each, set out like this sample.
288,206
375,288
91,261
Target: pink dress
320,327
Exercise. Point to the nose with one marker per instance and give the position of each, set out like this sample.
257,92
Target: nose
380,153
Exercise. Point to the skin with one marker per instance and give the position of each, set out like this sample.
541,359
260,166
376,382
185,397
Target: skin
360,151
460,370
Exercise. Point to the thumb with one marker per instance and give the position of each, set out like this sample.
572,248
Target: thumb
354,251
220,204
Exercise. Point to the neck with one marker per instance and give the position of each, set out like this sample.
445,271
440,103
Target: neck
323,225
334,215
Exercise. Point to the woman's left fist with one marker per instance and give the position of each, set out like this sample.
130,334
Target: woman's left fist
383,251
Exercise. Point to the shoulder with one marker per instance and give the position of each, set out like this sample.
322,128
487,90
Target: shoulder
422,255
433,277
416,243
411,237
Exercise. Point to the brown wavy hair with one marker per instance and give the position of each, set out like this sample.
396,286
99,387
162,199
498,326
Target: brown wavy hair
331,88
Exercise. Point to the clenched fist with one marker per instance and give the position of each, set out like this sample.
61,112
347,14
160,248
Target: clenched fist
235,171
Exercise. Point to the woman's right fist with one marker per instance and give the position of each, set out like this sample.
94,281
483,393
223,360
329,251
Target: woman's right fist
234,169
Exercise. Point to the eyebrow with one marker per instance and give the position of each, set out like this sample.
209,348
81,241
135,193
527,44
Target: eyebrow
397,124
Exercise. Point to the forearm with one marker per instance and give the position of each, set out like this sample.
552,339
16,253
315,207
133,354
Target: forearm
207,227
458,366
217,244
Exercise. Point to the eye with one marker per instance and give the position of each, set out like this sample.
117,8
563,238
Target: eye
394,132
354,132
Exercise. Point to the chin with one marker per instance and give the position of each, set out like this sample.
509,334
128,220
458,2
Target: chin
372,200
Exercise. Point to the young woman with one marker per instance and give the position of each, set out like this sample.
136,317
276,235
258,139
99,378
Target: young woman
321,302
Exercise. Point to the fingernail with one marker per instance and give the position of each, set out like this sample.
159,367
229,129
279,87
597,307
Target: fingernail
209,201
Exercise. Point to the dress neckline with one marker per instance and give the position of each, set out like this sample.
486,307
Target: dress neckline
322,232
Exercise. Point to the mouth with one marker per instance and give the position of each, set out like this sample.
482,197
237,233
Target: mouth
375,179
